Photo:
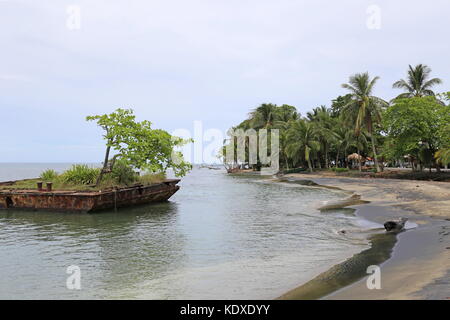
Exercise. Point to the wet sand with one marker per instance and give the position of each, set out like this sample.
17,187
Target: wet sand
418,264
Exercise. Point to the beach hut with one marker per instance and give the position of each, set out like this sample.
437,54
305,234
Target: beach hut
355,159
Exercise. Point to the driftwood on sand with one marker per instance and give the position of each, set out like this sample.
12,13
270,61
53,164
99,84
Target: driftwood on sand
350,201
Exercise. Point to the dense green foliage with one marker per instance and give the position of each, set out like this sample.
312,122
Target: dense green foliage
49,175
413,127
301,141
339,169
361,130
80,174
139,146
122,173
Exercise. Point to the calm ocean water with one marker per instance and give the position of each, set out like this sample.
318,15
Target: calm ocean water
219,237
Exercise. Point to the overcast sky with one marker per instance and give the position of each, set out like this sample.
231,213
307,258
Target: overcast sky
175,62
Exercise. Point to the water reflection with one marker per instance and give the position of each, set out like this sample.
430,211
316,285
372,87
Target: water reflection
111,248
220,236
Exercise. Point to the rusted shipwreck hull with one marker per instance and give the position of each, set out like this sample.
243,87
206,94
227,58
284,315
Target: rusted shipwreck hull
90,201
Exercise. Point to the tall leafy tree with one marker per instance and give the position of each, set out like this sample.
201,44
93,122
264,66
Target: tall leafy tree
285,114
323,123
363,107
338,103
343,139
137,145
302,141
418,127
263,116
417,84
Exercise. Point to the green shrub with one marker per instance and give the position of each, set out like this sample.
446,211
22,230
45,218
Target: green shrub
295,170
339,169
80,174
122,173
49,175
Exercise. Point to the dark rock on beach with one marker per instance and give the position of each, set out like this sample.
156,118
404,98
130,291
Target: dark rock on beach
395,225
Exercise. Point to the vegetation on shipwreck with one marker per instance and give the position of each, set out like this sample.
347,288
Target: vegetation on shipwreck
360,130
135,154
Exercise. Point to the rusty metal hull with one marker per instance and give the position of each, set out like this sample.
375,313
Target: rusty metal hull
72,201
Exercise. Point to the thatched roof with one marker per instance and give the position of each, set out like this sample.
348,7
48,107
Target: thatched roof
354,156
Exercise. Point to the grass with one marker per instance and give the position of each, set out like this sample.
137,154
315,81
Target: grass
49,175
83,178
295,170
80,174
57,185
151,178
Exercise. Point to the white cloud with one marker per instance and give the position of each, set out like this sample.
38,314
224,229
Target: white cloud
178,61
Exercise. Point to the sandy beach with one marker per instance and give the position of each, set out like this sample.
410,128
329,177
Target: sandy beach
419,264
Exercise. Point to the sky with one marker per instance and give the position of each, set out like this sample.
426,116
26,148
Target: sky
179,64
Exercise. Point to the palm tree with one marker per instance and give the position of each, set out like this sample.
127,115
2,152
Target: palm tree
263,116
315,113
324,123
443,156
301,141
417,84
285,114
364,108
343,138
359,142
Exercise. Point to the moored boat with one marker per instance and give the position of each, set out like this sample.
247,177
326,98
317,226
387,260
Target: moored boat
85,201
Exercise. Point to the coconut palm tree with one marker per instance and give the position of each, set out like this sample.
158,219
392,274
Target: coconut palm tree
364,108
301,141
443,156
285,114
417,83
343,138
359,142
316,112
263,116
322,120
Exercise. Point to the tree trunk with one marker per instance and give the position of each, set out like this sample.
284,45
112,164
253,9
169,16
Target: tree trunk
337,158
346,162
375,157
310,166
326,156
359,160
105,166
437,165
286,160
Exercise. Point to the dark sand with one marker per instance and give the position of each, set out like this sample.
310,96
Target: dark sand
415,264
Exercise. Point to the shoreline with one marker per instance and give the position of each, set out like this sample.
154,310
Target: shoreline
414,265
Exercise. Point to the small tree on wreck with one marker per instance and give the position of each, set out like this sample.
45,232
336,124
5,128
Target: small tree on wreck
138,145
